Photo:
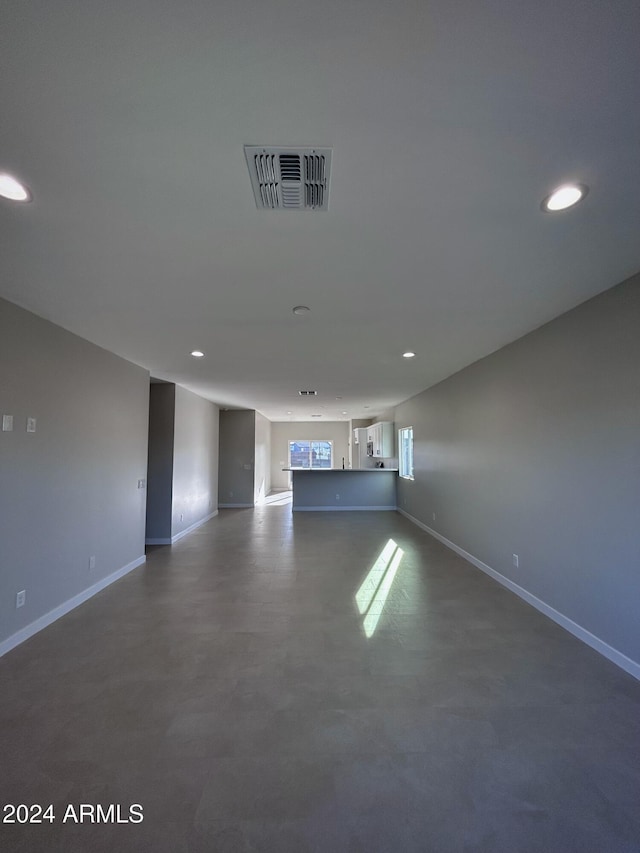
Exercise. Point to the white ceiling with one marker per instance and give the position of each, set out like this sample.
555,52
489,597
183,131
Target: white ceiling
449,122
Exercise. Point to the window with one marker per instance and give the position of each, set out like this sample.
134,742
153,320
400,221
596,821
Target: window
310,454
405,452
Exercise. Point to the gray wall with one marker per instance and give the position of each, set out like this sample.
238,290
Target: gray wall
535,450
69,490
284,432
162,400
195,460
237,457
262,478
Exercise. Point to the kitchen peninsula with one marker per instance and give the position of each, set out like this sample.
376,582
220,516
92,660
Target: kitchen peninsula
322,489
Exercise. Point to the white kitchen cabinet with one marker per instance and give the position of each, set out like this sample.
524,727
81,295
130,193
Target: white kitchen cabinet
382,438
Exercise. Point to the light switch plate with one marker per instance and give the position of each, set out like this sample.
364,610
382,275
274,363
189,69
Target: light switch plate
31,424
7,423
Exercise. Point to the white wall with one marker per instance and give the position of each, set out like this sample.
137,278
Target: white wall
262,470
284,432
69,491
535,451
195,460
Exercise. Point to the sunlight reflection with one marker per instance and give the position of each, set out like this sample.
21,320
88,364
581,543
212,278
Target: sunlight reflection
365,594
375,588
377,605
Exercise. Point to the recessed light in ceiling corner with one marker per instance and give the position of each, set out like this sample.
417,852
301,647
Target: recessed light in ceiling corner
563,197
408,354
197,353
299,310
12,189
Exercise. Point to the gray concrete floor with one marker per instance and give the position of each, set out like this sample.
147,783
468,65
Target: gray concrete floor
229,688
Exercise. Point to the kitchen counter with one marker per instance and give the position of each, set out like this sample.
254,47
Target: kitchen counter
343,470
323,489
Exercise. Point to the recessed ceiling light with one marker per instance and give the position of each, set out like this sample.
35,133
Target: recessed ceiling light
301,309
12,189
408,354
344,413
289,413
197,353
563,197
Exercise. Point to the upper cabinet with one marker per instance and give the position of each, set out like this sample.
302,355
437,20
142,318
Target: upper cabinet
381,436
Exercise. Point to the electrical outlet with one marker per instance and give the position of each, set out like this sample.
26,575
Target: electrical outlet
181,516
142,484
434,516
31,424
516,561
92,562
337,497
21,597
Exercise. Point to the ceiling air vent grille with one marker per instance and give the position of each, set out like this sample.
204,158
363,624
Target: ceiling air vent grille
289,178
308,393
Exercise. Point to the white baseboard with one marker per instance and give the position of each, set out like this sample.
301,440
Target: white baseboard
236,506
193,526
620,659
178,536
341,508
62,609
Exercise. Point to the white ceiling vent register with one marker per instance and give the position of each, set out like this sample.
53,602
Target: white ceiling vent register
289,178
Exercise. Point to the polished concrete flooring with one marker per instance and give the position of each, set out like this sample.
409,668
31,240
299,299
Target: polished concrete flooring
230,687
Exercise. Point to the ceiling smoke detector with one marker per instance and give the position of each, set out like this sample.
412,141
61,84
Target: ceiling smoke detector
289,178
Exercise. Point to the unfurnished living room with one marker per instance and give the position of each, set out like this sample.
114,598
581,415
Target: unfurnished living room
320,446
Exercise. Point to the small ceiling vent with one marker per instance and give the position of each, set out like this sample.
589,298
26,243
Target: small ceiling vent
289,178
308,393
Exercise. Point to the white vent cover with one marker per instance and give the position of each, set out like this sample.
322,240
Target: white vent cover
308,393
289,178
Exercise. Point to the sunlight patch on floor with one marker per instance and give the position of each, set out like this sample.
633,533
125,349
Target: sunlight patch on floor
373,592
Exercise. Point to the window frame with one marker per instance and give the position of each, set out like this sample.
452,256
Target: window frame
310,442
408,431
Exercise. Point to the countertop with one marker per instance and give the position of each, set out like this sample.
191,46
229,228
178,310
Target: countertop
346,470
